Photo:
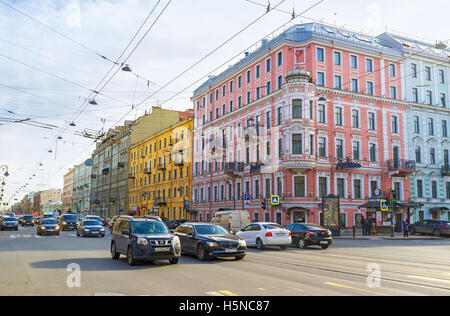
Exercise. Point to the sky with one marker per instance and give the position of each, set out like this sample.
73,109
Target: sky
48,75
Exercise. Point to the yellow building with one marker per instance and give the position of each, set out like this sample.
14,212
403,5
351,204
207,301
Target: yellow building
160,173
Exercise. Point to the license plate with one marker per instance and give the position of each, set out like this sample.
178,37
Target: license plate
95,233
163,249
280,235
230,250
324,242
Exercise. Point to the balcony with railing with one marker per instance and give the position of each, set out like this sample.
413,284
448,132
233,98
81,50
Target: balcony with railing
147,171
401,168
179,162
445,170
160,200
162,166
132,175
234,168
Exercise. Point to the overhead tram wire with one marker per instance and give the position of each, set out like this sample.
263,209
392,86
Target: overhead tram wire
206,56
195,64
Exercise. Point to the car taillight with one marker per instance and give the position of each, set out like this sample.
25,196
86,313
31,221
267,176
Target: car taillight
446,227
311,234
290,234
269,234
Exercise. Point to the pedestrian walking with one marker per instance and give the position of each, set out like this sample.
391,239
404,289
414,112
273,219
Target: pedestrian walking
364,226
369,227
405,227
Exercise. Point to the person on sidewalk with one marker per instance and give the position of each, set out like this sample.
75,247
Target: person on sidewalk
364,226
369,227
405,227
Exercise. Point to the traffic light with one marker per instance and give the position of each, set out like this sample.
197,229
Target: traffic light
388,198
394,199
264,204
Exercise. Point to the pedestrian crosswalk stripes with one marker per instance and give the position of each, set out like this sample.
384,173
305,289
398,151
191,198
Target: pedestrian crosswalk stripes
28,236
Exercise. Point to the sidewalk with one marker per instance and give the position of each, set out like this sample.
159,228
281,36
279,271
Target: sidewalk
347,236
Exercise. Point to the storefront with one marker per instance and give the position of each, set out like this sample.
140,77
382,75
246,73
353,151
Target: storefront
440,213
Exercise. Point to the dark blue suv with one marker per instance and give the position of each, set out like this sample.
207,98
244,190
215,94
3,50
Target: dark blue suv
144,239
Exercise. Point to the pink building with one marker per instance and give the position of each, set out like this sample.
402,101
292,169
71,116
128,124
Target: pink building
313,112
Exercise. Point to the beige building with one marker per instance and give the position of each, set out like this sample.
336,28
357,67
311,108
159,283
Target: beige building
49,196
67,197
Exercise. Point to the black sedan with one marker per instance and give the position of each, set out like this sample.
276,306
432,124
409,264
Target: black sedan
48,226
305,235
89,228
207,241
27,220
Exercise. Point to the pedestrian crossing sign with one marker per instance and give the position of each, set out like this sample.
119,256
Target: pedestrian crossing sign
275,200
384,205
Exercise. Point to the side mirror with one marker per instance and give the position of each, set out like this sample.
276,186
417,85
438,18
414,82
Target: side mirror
172,231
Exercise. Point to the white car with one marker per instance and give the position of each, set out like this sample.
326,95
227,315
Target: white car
266,234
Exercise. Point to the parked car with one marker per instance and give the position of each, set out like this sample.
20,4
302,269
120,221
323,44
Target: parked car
144,239
89,228
27,220
48,226
305,235
68,221
96,218
9,223
266,234
232,221
207,241
434,227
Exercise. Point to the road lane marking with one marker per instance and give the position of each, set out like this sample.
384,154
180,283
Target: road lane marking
261,289
428,278
12,236
228,293
214,294
109,294
353,288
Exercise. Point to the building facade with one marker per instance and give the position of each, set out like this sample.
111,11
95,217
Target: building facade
313,112
67,198
48,196
426,86
160,173
82,187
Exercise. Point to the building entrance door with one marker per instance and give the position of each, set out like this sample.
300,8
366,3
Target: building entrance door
299,216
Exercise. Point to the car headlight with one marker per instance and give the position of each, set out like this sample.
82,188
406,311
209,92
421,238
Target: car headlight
212,244
86,230
142,241
242,243
176,241
43,227
64,223
102,229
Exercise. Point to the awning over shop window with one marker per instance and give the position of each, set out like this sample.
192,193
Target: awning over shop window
438,209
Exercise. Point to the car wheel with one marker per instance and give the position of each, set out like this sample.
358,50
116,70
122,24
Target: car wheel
437,233
301,243
239,258
259,244
413,231
114,254
174,260
201,253
130,258
78,233
324,247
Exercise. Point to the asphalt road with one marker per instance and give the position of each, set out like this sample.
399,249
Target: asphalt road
38,266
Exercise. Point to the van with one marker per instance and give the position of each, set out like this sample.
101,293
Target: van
233,221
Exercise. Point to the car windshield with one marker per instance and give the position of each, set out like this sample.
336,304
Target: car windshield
91,223
93,218
152,227
273,226
8,219
70,217
49,222
28,217
210,230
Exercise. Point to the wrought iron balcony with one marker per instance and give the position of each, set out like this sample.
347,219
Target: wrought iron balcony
179,163
445,170
402,167
232,168
132,176
161,200
161,167
148,171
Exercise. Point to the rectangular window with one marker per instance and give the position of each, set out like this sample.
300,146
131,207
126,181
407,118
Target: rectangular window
418,155
280,82
239,101
297,109
323,188
369,65
279,116
429,97
392,70
300,187
280,148
355,119
369,88
420,189
355,85
393,93
428,73
371,123
337,82
340,183
357,189
432,156
373,152
339,149
356,151
354,61
280,59
416,125
337,58
322,147
224,90
414,70
441,76
321,79
297,144
249,97
320,55
268,65
430,126
258,93
434,189
394,124
443,100
231,86
258,71
415,95
239,81
338,116
322,116
269,120
249,76
268,87
444,129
